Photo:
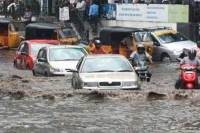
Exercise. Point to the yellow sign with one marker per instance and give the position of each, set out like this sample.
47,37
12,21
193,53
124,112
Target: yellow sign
178,13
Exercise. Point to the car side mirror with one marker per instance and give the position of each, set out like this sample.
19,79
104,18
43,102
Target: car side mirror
42,60
24,53
72,70
156,44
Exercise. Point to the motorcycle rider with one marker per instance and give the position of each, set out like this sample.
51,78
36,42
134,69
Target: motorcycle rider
141,55
197,48
98,49
190,59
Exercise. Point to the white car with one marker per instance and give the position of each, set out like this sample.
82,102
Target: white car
54,60
168,43
106,71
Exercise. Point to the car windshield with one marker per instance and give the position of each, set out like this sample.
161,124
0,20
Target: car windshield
61,54
36,47
106,64
171,37
67,32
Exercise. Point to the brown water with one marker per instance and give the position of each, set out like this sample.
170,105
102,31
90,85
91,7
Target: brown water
49,105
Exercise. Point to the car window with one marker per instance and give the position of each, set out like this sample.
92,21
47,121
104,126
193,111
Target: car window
40,53
21,47
60,54
44,54
112,64
78,66
142,36
24,48
67,32
35,47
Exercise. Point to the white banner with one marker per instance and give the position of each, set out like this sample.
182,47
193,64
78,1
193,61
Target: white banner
64,13
142,12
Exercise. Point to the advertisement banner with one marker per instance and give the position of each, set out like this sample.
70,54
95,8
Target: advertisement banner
178,13
142,12
64,13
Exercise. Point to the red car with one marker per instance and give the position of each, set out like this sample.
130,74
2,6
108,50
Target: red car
27,52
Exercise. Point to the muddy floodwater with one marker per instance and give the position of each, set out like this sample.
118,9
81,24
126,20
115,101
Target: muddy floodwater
49,105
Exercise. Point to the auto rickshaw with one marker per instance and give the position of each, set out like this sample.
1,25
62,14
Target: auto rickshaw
112,40
61,32
9,37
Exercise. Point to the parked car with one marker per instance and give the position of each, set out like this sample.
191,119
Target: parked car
27,52
168,43
52,61
108,71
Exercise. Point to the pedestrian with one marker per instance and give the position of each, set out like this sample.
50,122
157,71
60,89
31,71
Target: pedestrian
88,4
28,15
5,5
94,15
81,6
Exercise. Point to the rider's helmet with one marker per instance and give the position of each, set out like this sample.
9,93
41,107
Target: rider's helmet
97,43
192,54
140,48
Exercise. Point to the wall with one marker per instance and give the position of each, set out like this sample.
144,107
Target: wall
137,24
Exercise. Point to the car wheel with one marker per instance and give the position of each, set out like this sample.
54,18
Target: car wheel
27,67
165,57
33,73
46,74
72,83
15,64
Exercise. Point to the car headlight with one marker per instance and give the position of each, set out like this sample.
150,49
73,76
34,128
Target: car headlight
130,83
90,84
176,52
55,69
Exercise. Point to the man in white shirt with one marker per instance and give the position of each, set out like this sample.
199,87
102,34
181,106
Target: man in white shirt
81,6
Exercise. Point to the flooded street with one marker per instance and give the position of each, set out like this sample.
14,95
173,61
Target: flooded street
49,105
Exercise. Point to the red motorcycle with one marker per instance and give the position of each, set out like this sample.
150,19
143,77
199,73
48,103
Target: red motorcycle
189,76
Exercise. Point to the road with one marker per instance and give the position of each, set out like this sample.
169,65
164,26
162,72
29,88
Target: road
50,105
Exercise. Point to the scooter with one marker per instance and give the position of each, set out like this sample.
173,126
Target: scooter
189,76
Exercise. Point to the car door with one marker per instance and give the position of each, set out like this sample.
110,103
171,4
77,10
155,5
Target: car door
76,75
156,48
44,67
37,65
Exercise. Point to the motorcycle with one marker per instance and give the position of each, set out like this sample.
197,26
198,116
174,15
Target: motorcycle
142,71
189,76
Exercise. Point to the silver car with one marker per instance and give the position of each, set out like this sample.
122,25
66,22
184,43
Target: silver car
168,43
110,71
54,60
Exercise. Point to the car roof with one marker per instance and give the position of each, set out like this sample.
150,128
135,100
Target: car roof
6,20
157,28
119,29
64,46
43,41
104,55
45,25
